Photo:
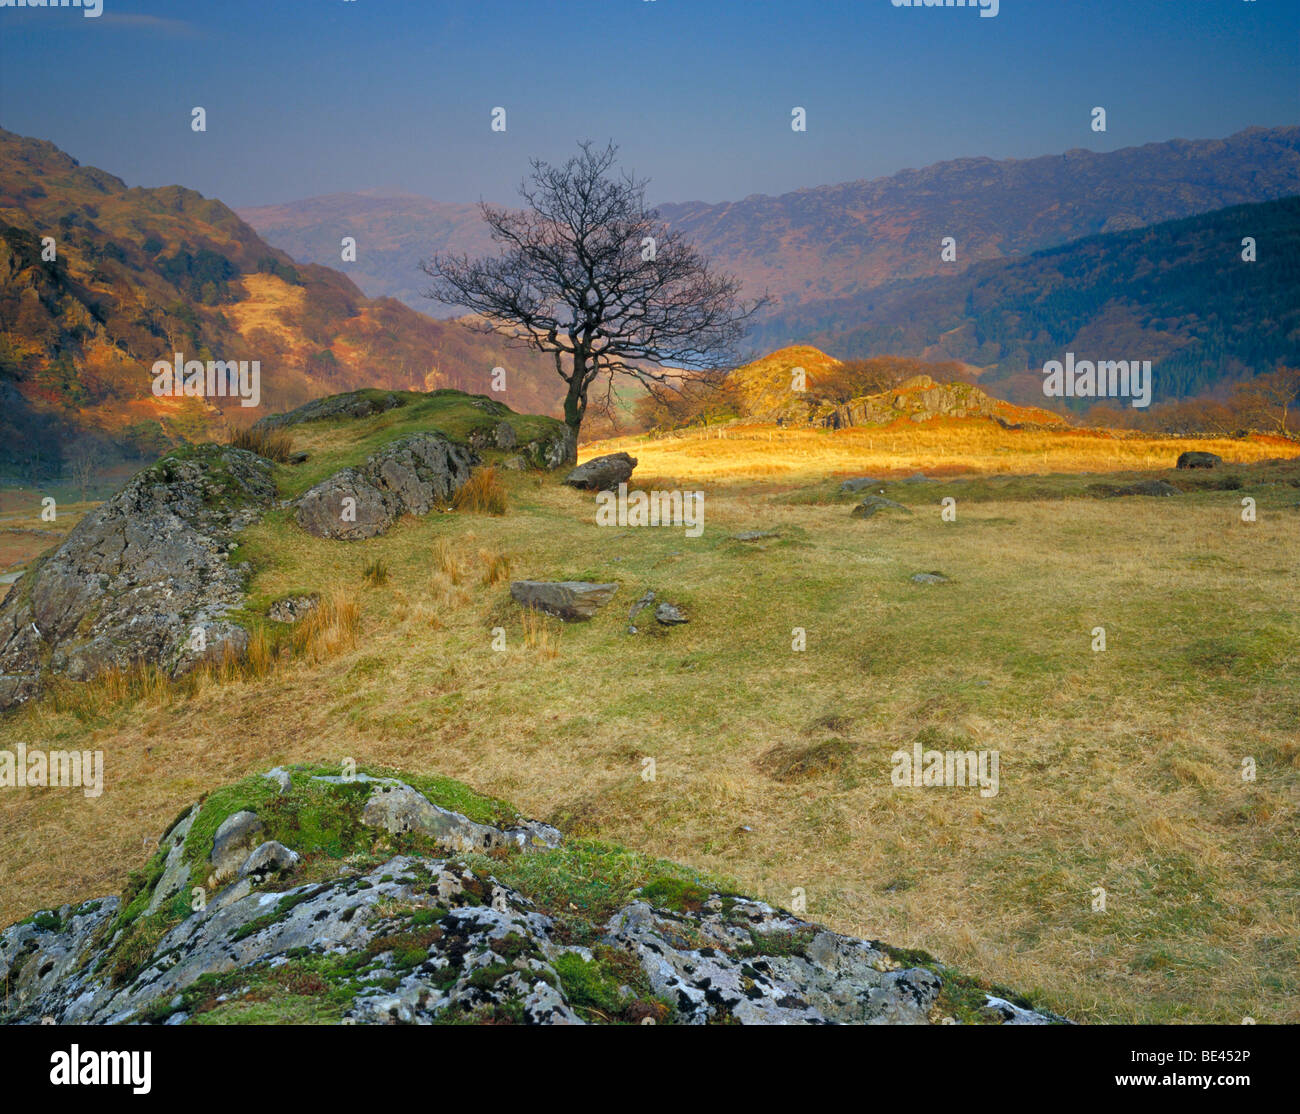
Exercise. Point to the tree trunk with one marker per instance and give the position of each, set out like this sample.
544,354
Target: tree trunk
575,408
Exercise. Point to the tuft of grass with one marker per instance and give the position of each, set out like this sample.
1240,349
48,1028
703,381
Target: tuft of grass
789,762
331,628
376,573
496,567
271,444
444,561
541,633
483,493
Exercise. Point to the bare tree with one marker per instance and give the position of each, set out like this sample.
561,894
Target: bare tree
590,275
83,463
1267,399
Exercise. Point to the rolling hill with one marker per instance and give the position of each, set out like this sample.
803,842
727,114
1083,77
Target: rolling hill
98,281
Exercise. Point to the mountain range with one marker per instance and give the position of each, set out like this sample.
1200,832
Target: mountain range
830,242
1179,293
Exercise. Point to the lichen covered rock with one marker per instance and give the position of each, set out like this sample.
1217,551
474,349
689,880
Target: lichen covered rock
145,578
394,907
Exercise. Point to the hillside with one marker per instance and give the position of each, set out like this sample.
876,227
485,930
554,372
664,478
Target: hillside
140,274
825,243
1177,293
416,657
828,242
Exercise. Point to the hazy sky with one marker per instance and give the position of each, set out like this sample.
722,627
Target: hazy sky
307,97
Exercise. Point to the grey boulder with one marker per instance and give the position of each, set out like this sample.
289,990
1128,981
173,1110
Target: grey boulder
238,834
144,578
1199,460
602,473
570,600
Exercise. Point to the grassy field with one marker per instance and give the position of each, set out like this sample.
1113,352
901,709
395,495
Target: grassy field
1119,770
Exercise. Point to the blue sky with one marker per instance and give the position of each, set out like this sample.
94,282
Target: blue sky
307,97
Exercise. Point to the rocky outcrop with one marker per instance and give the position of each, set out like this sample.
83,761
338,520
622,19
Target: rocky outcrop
424,930
147,576
1199,460
353,404
411,475
570,600
494,429
602,473
919,399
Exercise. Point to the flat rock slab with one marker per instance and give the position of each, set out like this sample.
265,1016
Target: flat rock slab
874,503
859,484
602,473
755,535
929,578
570,600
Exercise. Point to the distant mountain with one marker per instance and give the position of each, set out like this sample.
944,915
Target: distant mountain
827,243
140,274
1177,293
394,231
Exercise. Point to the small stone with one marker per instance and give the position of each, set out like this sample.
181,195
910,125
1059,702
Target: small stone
929,578
859,484
873,503
237,835
268,859
670,614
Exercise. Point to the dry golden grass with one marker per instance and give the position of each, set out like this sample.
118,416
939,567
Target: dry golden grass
272,444
482,493
747,453
496,567
328,629
269,301
444,561
1119,770
541,634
